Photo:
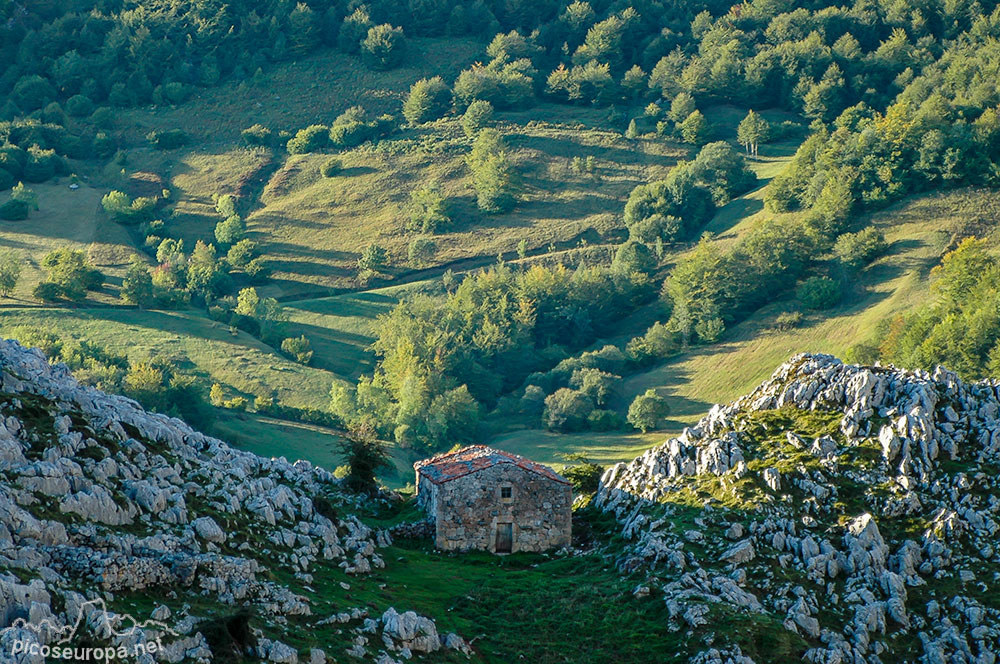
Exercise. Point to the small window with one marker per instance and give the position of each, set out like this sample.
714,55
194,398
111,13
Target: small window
505,492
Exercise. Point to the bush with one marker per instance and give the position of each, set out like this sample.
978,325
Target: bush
46,291
855,250
788,320
694,129
421,250
331,167
429,99
41,164
584,474
818,293
311,139
258,134
428,210
230,231
170,139
14,210
383,47
79,106
604,420
633,257
647,410
567,410
478,115
298,348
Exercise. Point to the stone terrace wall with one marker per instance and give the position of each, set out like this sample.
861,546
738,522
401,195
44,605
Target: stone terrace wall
469,508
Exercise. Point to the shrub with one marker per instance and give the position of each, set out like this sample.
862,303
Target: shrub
311,139
584,474
428,210
41,164
230,230
383,47
331,167
79,106
365,455
11,263
694,129
788,320
14,210
478,115
258,134
632,257
647,410
6,179
567,410
373,258
421,250
298,348
46,291
855,250
429,99
170,139
818,293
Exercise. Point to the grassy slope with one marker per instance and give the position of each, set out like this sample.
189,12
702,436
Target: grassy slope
919,231
198,345
66,218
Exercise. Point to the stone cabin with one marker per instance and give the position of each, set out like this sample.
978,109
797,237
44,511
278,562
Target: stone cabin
483,498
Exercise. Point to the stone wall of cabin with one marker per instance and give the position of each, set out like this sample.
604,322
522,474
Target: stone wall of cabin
467,510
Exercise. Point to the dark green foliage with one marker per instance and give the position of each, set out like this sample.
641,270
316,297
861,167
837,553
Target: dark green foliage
724,171
331,167
653,210
491,172
169,139
137,284
353,30
366,455
584,473
633,257
41,164
428,210
818,293
352,128
500,325
503,83
14,210
567,410
46,291
258,134
712,284
79,106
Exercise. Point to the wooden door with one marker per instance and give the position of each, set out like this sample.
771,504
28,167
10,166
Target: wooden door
505,537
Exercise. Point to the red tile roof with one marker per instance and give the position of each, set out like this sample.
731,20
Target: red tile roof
445,467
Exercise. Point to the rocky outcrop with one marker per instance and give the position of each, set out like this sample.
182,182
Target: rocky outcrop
98,493
838,493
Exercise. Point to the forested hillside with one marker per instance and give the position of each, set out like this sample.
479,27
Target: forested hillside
556,225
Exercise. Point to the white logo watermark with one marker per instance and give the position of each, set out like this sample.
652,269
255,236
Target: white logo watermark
27,641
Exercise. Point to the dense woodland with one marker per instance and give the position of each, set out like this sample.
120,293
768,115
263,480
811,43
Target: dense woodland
893,98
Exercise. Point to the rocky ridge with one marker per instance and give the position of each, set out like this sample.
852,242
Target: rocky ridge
856,507
99,497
